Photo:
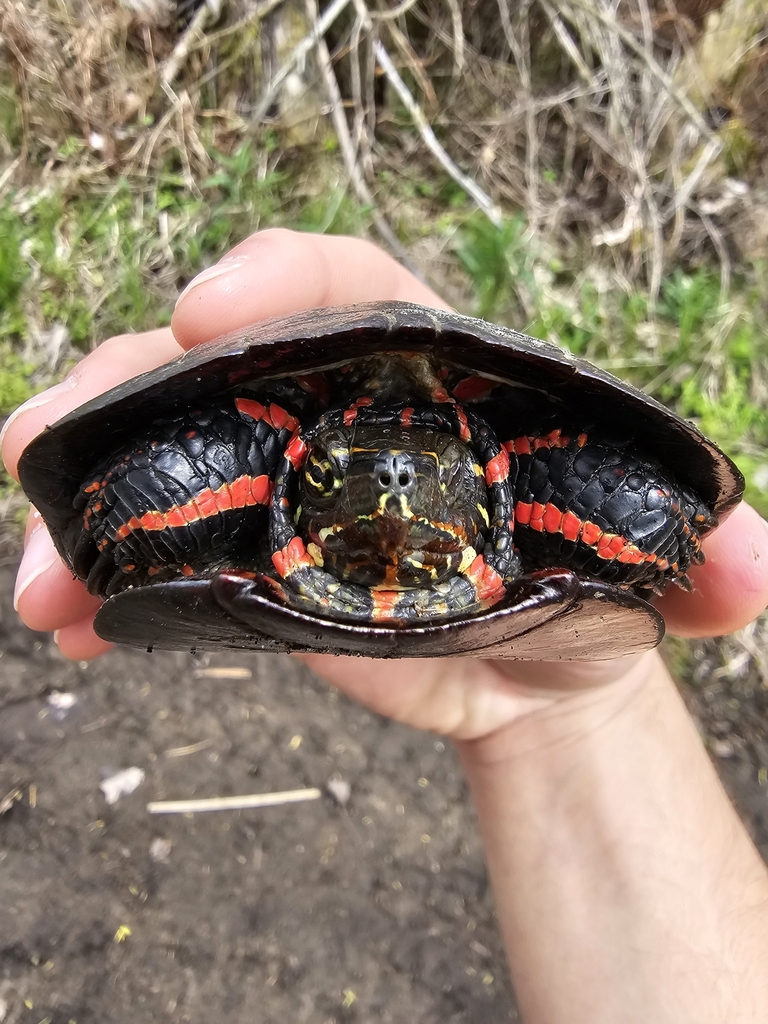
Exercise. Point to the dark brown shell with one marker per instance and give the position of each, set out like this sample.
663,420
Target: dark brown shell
55,463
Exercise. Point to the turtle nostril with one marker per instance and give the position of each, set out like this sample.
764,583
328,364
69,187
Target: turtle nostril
393,472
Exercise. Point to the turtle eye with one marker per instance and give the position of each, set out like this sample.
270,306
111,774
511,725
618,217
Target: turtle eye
320,476
323,475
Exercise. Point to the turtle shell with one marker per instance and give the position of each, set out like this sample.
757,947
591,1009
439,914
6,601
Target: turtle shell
550,612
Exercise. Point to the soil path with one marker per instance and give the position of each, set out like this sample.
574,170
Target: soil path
313,912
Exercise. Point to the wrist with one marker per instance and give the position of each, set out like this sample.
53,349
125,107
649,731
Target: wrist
613,852
583,717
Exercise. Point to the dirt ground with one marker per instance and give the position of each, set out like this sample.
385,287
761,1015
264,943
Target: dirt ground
311,912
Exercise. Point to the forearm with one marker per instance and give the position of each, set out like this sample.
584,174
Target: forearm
626,887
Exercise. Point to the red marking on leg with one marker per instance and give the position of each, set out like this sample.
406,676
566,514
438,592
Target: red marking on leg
554,439
261,490
632,555
537,517
497,468
385,604
207,504
274,415
282,419
552,518
292,557
609,545
250,407
173,517
242,492
591,533
473,387
351,414
571,526
440,395
486,581
523,510
406,417
296,451
464,432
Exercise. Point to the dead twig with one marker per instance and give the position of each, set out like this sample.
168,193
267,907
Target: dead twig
396,12
566,40
192,35
356,178
521,51
610,22
459,42
361,134
233,803
683,194
319,27
472,189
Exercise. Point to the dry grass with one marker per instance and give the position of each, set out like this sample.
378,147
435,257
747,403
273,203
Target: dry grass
595,120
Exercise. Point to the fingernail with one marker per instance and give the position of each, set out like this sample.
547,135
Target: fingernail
37,400
40,556
34,523
225,266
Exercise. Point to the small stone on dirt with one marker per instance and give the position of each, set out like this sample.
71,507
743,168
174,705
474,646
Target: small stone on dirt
722,748
340,790
160,850
61,703
121,784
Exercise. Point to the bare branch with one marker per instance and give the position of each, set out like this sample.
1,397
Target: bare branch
233,803
319,27
596,11
472,189
347,148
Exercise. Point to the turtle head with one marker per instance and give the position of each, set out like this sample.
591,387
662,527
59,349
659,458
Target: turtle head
390,505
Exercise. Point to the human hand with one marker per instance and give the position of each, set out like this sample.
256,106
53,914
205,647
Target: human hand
277,272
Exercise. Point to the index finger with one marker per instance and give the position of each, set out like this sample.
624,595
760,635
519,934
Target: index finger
277,272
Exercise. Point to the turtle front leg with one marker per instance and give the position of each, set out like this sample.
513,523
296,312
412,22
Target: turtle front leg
190,495
603,511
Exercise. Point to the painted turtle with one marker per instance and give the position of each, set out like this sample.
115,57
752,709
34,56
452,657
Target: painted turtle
380,479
